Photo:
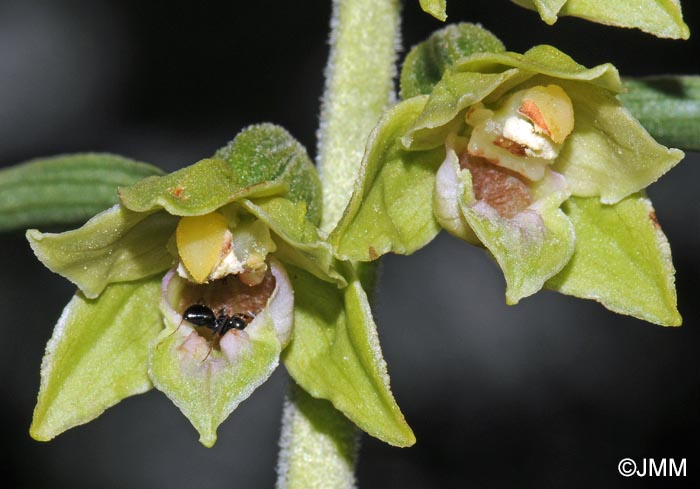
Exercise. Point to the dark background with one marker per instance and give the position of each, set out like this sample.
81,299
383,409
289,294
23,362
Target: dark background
550,393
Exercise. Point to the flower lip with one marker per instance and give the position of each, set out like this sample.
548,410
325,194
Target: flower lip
271,299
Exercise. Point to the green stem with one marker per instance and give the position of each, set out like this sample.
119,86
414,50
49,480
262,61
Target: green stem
359,86
318,444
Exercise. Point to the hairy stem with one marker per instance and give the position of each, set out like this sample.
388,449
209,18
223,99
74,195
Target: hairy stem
318,445
359,86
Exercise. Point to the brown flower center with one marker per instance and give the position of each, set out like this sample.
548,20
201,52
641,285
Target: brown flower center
501,188
230,294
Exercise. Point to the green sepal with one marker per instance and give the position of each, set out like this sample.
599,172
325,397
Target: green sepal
662,18
335,355
668,107
609,153
548,9
206,384
117,245
427,61
436,8
622,259
64,189
298,241
97,356
530,247
262,160
391,206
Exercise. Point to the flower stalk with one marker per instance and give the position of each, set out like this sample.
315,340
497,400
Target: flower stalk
359,86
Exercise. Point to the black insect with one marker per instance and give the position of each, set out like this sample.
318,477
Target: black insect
201,315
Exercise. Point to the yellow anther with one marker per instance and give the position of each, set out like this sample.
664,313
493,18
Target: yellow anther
200,242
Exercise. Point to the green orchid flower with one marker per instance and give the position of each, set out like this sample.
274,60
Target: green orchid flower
530,156
197,283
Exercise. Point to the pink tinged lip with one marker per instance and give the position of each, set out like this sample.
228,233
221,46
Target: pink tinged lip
279,309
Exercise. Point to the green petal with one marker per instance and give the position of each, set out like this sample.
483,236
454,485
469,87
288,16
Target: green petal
668,107
545,60
116,245
196,190
298,241
532,246
391,206
208,384
449,99
426,63
335,355
262,160
622,259
436,8
662,18
609,153
97,356
65,189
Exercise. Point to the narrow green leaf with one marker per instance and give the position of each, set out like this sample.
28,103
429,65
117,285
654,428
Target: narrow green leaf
391,205
64,189
668,107
116,245
436,8
207,385
609,153
97,356
622,259
262,160
426,63
299,242
662,18
335,355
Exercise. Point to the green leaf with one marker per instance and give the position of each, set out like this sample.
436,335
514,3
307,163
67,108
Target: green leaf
391,205
530,247
262,160
436,8
622,259
116,245
426,63
668,107
298,241
207,384
97,356
335,355
662,18
64,189
609,153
